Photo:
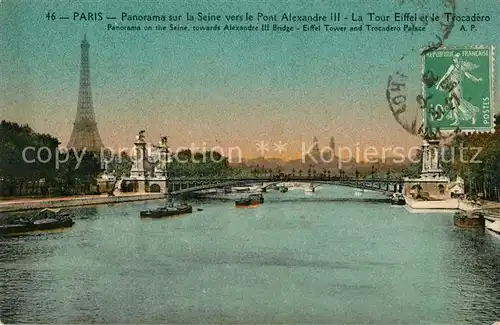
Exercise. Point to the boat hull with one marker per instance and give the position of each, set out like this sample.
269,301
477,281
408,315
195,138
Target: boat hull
246,205
166,212
462,221
39,225
252,200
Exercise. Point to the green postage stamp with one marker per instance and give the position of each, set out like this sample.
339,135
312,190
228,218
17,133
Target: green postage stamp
458,87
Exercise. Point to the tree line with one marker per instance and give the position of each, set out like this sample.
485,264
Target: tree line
31,164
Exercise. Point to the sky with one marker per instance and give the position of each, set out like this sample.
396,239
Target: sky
226,89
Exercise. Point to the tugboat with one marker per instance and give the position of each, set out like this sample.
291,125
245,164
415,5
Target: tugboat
258,198
168,211
251,200
398,199
244,202
469,220
47,219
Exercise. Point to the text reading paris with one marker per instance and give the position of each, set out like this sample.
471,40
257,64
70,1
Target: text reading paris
372,17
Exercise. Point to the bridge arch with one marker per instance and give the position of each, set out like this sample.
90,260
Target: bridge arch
129,186
154,188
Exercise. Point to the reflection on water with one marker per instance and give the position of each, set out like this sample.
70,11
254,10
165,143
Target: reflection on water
311,261
476,262
36,233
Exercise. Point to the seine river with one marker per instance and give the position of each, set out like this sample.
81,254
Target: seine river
295,259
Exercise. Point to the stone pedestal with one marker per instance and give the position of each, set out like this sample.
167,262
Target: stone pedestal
161,172
142,181
432,184
137,170
430,158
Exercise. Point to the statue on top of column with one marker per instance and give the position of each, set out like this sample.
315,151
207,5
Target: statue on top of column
164,141
141,136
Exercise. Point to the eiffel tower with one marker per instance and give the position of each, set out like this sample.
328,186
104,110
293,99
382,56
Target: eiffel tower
85,134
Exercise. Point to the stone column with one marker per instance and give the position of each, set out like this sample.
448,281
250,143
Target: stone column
434,155
161,170
430,157
139,156
425,157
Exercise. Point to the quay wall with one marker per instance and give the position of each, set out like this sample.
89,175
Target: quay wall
454,204
27,204
450,204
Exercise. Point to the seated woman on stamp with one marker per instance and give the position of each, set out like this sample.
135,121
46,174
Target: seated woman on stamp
460,109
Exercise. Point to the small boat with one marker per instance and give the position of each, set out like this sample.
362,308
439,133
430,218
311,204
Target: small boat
10,229
47,219
244,202
464,219
251,200
259,198
398,199
46,224
167,211
284,189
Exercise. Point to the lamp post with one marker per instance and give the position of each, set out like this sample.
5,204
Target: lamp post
373,175
388,176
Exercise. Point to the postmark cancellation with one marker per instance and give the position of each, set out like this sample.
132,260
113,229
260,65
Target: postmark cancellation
458,89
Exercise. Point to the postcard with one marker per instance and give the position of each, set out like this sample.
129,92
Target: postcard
249,162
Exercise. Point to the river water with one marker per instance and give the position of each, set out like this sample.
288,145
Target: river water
295,259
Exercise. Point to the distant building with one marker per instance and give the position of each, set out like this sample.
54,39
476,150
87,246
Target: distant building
314,155
331,145
457,188
315,149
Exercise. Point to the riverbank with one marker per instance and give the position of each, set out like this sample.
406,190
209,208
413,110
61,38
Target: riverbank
445,205
16,205
448,205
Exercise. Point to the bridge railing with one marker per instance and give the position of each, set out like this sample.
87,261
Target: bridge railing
289,178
